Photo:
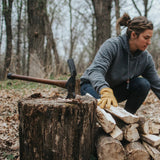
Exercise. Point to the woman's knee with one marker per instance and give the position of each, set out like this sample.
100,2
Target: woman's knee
142,85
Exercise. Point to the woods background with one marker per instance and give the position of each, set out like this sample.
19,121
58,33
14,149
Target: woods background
37,37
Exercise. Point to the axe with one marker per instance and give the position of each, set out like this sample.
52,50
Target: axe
68,84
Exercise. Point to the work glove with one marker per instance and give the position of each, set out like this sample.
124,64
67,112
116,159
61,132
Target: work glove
107,98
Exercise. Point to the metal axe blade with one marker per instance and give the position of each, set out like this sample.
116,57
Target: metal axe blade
70,85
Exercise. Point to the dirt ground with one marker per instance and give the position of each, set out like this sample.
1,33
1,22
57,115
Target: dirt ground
9,134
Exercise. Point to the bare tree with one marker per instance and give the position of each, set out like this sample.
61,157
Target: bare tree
24,29
51,44
7,11
147,7
36,35
117,13
102,10
71,29
1,26
18,58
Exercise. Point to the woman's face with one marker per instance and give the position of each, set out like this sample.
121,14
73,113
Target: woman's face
142,41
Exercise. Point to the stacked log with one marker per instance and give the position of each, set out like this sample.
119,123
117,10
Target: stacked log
132,137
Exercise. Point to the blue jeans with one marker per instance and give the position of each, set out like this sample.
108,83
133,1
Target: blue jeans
135,95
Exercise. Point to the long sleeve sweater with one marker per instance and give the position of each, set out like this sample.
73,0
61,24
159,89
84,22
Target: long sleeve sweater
114,64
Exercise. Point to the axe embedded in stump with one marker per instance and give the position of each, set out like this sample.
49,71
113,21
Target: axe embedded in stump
68,84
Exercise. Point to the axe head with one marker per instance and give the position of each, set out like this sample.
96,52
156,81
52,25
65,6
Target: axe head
70,85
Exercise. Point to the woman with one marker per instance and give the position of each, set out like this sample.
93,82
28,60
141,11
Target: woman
123,69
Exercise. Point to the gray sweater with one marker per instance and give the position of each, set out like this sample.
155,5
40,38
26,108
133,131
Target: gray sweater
114,64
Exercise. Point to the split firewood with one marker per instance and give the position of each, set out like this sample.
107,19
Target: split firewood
152,151
117,133
130,132
109,148
143,126
153,140
105,119
154,128
122,114
148,126
136,151
158,147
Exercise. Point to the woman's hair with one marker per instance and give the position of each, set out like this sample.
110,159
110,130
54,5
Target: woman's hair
137,24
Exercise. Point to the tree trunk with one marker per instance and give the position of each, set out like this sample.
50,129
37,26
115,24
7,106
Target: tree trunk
1,28
18,57
25,41
117,12
57,128
102,10
71,30
7,11
36,32
51,44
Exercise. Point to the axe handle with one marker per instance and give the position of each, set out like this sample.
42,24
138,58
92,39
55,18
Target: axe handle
59,83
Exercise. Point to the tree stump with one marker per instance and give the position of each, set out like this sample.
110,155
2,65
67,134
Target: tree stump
57,129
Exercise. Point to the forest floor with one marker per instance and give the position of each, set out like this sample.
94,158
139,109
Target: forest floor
12,92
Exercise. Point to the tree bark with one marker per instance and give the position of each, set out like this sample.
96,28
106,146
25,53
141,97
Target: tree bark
18,57
102,10
36,31
117,13
7,11
51,44
57,129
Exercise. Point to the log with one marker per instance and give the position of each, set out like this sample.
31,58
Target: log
143,126
117,133
130,132
105,119
109,148
158,147
136,151
154,128
152,151
148,126
122,114
153,140
57,129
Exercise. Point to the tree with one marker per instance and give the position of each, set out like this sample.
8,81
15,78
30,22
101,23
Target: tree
24,29
1,27
7,11
102,13
147,7
36,36
117,13
51,44
18,58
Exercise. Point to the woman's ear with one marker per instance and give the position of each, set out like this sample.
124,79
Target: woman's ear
133,35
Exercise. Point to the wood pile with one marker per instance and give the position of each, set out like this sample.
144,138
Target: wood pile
126,136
